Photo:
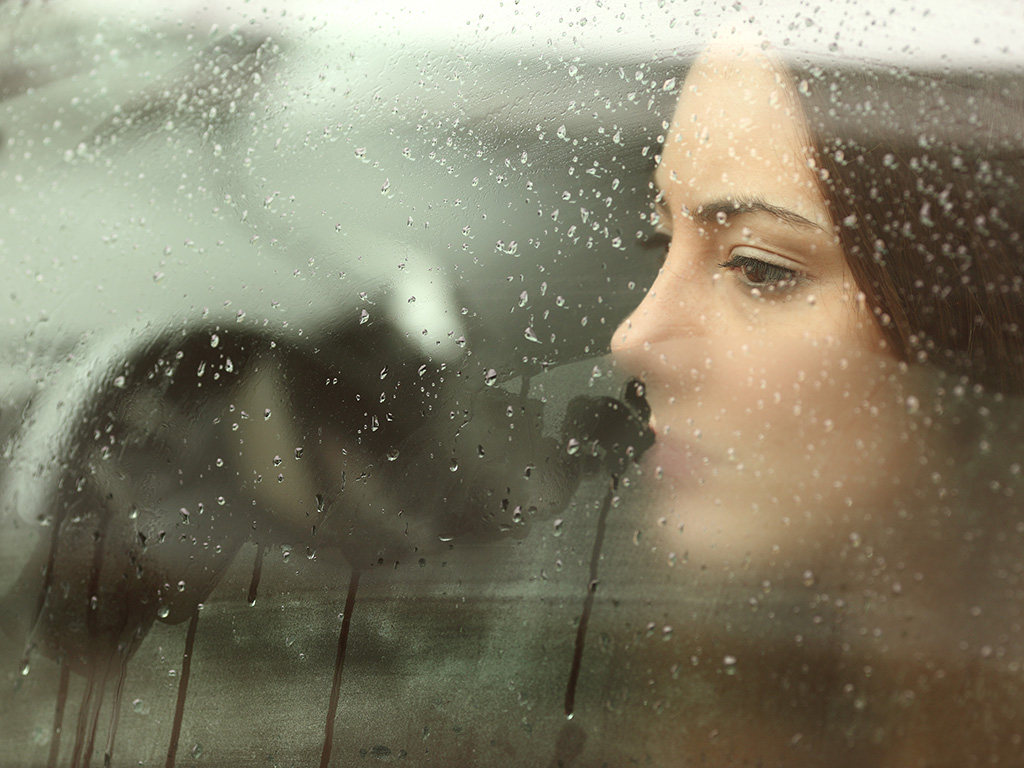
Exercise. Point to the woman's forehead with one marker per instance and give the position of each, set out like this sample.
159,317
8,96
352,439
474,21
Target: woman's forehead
736,92
738,133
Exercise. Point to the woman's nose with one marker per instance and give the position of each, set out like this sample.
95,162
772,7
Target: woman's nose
675,307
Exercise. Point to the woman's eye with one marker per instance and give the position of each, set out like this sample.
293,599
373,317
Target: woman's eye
757,273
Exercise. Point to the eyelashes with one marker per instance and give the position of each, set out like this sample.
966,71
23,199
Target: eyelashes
754,268
763,274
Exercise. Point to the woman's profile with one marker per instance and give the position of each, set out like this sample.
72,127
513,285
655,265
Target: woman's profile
838,315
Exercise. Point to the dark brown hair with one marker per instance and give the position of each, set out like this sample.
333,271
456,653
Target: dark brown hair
924,174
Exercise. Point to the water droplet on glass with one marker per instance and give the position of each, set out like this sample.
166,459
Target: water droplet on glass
164,612
266,414
454,466
490,377
529,335
364,317
119,382
573,446
197,751
277,461
558,527
393,454
913,405
214,340
298,453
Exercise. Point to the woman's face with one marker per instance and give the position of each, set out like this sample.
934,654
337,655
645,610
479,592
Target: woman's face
775,404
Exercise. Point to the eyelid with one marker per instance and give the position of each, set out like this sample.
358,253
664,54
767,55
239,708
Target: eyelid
768,257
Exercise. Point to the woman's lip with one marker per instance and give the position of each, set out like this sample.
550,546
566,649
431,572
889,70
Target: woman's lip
675,458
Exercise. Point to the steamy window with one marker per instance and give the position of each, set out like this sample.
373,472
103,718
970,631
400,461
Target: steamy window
510,384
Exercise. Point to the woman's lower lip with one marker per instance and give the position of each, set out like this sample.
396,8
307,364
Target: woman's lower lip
674,459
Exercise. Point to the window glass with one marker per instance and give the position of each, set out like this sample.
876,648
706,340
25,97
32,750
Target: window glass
511,384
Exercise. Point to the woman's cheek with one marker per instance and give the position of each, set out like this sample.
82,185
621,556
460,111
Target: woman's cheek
776,443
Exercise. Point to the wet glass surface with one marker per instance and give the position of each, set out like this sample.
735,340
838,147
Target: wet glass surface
511,386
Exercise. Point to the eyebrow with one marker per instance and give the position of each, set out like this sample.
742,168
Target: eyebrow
708,213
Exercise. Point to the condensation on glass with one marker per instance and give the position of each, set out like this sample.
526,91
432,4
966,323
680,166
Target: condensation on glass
511,385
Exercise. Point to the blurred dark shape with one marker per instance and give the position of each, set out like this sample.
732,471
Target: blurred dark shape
609,432
209,438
